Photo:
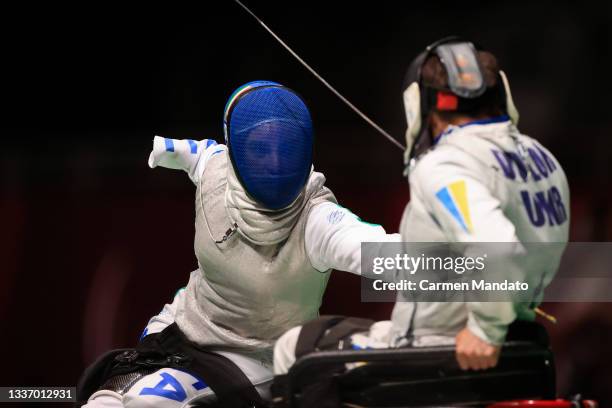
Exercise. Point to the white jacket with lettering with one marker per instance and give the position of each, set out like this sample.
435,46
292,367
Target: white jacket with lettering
482,182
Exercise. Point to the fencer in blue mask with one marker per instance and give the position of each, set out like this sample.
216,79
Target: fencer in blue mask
267,233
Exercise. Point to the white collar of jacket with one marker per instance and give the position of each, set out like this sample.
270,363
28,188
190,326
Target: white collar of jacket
258,224
495,131
486,125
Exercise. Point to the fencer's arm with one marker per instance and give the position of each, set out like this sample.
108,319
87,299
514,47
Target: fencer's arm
334,236
183,154
459,199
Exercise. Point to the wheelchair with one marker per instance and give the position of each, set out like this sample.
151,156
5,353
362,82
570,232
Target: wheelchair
416,377
429,377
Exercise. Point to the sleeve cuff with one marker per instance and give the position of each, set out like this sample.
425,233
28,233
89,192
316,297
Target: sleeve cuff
492,334
158,149
183,154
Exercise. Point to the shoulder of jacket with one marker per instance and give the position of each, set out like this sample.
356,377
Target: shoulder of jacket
448,154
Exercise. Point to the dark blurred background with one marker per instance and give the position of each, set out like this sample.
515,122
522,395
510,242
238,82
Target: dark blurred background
93,242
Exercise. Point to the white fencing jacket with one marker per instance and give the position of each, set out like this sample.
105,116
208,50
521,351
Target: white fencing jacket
245,294
482,182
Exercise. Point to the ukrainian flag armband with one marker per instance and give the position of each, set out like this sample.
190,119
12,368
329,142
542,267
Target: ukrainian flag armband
454,198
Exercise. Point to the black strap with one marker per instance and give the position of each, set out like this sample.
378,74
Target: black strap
327,331
491,97
312,332
170,348
231,386
321,334
342,330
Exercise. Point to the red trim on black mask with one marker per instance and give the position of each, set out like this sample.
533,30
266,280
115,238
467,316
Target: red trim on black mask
446,101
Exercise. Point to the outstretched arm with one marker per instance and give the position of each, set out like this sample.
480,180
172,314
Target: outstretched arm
334,236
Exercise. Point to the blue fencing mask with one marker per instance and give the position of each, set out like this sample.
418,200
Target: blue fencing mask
269,135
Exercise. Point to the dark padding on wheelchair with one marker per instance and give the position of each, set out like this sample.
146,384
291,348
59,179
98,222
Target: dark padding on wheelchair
425,376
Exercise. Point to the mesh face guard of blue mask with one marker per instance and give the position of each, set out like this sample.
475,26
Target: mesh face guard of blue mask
269,135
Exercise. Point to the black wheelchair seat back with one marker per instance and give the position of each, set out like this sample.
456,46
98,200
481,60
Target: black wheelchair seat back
425,376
